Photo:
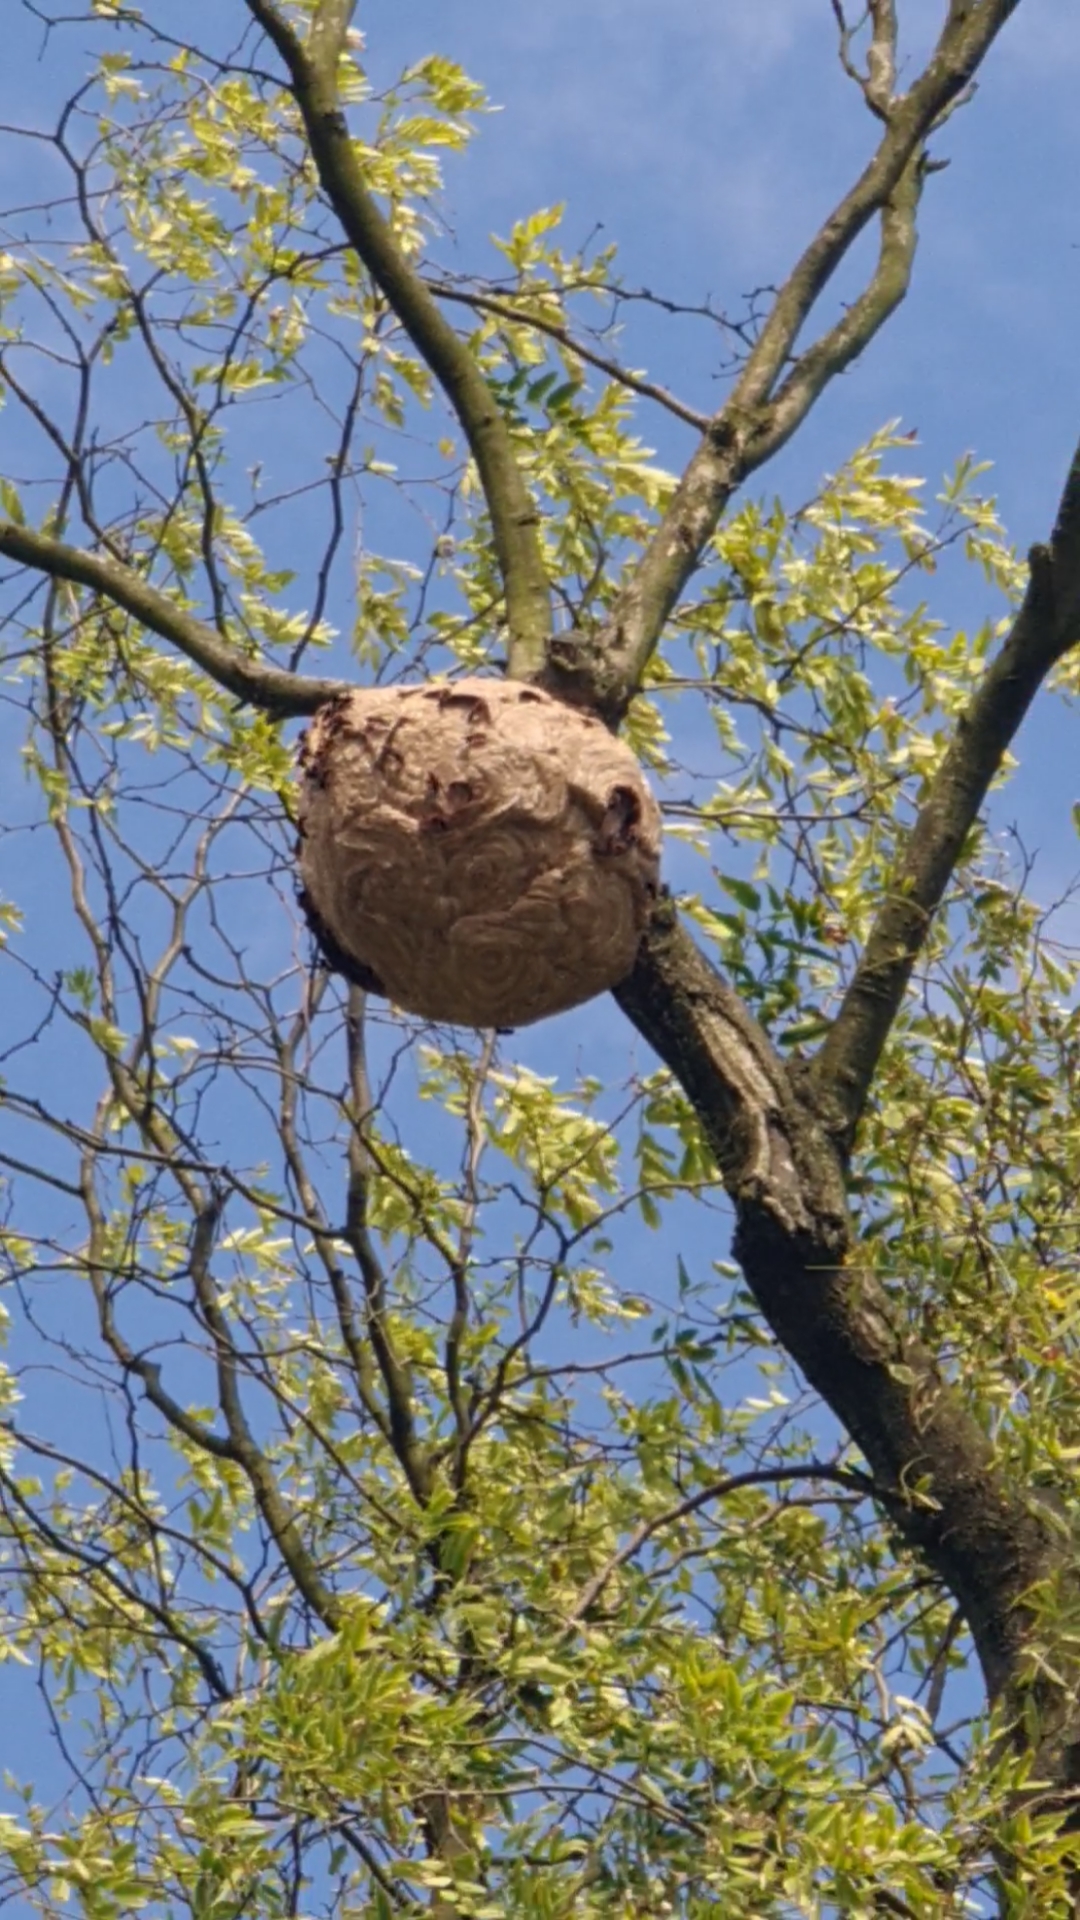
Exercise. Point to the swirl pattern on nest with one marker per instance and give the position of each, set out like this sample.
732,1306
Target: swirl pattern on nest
474,849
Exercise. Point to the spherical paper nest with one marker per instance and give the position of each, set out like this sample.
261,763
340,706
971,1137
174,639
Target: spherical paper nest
475,850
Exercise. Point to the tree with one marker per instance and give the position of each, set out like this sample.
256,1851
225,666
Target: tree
376,1547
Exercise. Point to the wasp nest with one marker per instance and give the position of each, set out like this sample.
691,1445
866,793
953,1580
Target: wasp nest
476,851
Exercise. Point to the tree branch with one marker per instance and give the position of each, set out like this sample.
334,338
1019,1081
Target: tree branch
273,689
968,33
412,1457
811,1471
881,56
136,1606
313,72
932,1465
1046,627
865,318
876,84
606,669
555,330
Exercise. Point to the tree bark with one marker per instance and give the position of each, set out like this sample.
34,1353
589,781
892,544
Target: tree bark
932,1466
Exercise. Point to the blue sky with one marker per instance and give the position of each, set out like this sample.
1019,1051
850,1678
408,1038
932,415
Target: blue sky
709,141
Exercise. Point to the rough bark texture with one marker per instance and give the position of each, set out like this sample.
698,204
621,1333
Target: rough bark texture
932,1465
782,1145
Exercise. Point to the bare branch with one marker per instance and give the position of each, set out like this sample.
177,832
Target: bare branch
1046,627
865,318
881,56
813,1470
459,1271
965,39
400,1416
877,82
323,1238
605,670
313,75
522,317
137,1605
272,689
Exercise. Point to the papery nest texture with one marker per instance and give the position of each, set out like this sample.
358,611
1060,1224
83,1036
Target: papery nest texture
475,850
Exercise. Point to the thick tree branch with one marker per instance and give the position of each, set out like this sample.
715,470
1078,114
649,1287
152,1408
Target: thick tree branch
876,84
282,694
881,56
1046,627
860,322
605,670
782,1145
933,1468
313,71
